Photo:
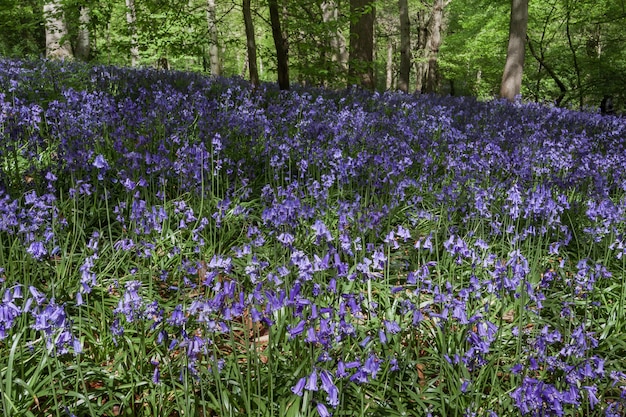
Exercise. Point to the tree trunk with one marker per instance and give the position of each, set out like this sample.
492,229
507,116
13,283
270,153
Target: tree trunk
361,64
56,30
420,47
250,44
514,68
430,20
83,46
214,57
389,66
579,87
131,20
435,27
281,45
405,47
330,13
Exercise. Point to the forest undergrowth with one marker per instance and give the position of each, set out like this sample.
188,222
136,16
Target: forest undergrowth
177,245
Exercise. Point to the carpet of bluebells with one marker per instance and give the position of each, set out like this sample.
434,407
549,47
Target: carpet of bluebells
177,245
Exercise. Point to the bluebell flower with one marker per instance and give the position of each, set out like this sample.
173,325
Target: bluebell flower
465,385
156,375
9,311
321,232
38,296
297,329
298,389
131,303
311,382
363,343
177,318
37,250
100,162
371,365
311,336
341,371
322,410
330,388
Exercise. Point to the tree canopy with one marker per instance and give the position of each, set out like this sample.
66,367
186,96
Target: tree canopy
573,50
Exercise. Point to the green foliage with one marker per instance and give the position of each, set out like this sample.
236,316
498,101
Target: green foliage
22,33
578,43
474,47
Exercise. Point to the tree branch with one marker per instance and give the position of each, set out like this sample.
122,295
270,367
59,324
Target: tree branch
549,70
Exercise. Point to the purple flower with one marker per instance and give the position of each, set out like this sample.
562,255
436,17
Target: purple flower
321,231
298,389
592,395
365,341
341,370
311,336
392,326
299,328
330,388
37,295
9,311
405,234
322,410
286,239
372,365
465,385
131,303
100,163
177,318
156,375
311,382
37,250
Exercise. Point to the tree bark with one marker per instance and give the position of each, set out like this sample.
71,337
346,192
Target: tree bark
281,45
214,56
361,67
250,44
430,19
405,46
579,88
131,20
389,65
83,44
330,13
435,27
56,30
514,68
421,67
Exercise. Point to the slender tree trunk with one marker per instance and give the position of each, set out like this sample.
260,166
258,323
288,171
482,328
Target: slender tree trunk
83,45
549,70
131,20
250,44
514,68
579,88
389,65
361,64
421,63
56,30
435,27
281,45
405,46
214,56
330,13
430,19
